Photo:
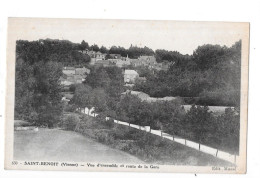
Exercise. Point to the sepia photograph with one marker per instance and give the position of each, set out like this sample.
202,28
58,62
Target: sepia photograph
126,95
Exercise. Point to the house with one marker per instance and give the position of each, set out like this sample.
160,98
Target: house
68,70
144,61
115,56
136,62
95,56
148,59
92,54
82,71
85,51
122,63
67,81
100,55
113,61
78,79
104,63
72,75
129,85
119,62
159,66
130,76
94,60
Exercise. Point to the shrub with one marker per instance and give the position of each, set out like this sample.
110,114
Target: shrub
225,97
70,122
69,108
109,123
21,123
72,88
228,126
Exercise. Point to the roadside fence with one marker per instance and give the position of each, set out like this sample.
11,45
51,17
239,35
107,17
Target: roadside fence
197,146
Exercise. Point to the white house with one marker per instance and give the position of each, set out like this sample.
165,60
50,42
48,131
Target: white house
69,70
130,76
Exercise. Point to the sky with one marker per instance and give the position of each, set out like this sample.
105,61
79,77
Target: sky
180,36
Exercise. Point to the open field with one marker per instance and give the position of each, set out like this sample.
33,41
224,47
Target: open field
60,145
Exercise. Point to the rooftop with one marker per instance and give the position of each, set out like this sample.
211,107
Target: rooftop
145,97
131,72
69,68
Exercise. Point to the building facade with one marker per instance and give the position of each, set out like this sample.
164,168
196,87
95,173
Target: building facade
72,75
130,76
68,70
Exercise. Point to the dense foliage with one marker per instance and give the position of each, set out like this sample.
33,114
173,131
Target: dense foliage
38,70
157,114
71,122
212,73
198,124
132,51
37,92
62,51
102,89
218,131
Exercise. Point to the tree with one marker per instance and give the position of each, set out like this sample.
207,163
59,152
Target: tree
82,97
99,101
228,127
98,77
212,74
116,82
47,92
94,48
110,79
37,95
135,52
207,56
80,58
50,50
103,49
83,45
198,120
70,122
24,91
128,109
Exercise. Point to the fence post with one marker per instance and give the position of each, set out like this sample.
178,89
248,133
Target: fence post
161,134
139,127
129,124
217,153
185,142
199,146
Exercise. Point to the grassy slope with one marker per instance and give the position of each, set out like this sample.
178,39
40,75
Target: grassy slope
149,148
60,145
